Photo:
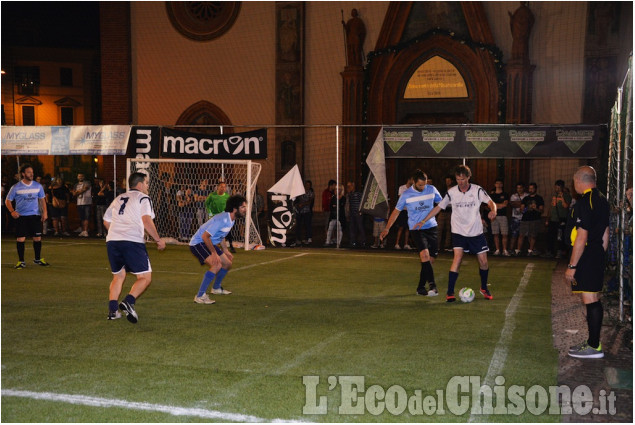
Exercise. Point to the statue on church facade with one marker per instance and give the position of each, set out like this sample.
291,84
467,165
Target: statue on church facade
355,31
520,23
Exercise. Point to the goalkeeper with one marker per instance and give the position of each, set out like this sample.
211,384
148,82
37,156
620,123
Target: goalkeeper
209,246
215,204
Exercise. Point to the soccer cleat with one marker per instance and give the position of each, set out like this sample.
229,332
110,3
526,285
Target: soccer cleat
41,262
114,315
128,308
205,299
450,298
585,351
486,294
422,291
433,292
221,291
20,265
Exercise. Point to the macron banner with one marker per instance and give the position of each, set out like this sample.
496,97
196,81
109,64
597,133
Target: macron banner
493,141
186,145
61,140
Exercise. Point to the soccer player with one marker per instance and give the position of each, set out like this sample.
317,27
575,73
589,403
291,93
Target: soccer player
29,201
125,219
418,200
588,226
467,227
209,246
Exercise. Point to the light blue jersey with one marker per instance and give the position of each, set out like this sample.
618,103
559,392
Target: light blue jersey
218,227
26,197
419,204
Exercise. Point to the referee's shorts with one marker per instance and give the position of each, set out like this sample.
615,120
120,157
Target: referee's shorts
589,275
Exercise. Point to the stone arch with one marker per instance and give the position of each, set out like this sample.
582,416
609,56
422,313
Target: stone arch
205,113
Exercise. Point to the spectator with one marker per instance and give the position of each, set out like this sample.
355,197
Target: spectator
82,191
200,195
337,219
60,197
402,220
305,215
533,206
327,194
103,198
379,224
515,201
500,226
184,205
357,236
556,220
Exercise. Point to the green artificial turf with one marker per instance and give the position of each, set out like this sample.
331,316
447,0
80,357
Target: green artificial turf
293,314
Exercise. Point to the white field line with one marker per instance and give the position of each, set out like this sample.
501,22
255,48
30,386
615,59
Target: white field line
500,352
148,407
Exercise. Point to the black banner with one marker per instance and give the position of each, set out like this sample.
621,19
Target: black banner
144,142
493,141
186,145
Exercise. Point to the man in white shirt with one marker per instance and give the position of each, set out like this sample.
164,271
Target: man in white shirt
467,227
82,191
126,219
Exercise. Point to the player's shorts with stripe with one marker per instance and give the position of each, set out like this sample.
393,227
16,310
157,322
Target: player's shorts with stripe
131,256
28,225
589,274
426,239
470,244
201,251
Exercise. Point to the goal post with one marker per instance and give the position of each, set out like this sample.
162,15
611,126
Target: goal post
178,189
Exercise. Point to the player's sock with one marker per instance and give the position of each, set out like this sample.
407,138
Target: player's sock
113,305
130,299
37,247
20,246
452,277
429,271
207,279
422,277
594,314
219,278
484,274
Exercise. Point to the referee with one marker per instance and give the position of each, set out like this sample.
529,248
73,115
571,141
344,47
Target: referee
29,201
588,225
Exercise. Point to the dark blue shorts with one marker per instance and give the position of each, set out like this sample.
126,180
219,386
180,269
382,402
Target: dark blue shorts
84,212
201,251
470,244
131,256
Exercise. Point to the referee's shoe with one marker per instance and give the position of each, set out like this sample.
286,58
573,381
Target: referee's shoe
41,262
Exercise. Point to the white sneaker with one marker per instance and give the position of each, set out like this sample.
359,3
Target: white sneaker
407,247
205,299
506,254
221,291
397,246
83,234
497,252
309,240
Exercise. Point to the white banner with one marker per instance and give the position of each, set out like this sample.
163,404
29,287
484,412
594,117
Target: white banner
71,140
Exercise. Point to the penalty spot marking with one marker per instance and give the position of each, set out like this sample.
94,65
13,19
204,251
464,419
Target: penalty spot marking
148,407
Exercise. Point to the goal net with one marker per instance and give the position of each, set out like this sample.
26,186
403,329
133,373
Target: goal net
179,188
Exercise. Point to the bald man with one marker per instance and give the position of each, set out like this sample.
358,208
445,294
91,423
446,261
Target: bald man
588,226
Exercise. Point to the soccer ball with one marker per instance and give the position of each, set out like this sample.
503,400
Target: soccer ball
466,295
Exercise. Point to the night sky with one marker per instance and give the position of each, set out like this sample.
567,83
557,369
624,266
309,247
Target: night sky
50,24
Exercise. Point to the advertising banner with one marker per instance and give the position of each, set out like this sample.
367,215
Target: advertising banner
65,140
186,145
493,141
